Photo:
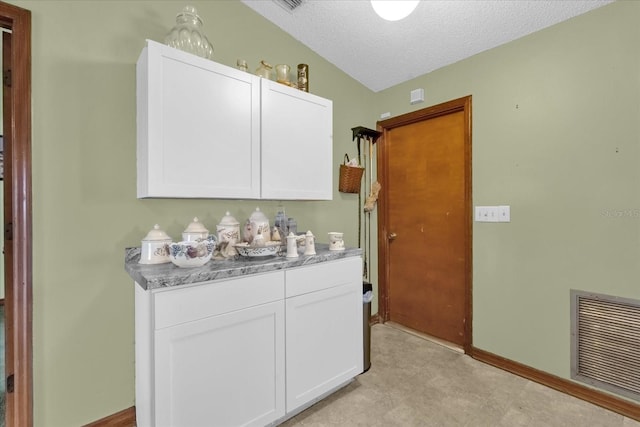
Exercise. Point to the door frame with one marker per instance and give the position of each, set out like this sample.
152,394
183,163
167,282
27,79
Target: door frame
457,105
18,227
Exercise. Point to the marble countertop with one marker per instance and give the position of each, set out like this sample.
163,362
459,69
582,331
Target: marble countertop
157,276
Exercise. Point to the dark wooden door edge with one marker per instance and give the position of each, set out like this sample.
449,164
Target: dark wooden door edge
19,411
124,418
605,400
460,104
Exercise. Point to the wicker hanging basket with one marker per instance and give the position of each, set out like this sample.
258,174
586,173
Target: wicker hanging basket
350,177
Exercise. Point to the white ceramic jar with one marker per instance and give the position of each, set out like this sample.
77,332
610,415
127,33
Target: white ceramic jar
155,247
336,242
260,225
292,246
309,243
228,229
195,231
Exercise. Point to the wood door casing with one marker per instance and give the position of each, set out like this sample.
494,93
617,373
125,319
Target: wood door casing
424,166
7,247
18,214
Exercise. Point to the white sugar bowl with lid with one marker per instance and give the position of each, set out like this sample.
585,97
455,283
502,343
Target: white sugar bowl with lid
260,225
155,247
195,231
228,229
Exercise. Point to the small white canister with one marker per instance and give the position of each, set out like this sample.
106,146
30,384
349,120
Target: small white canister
195,231
155,247
309,243
260,225
292,246
228,229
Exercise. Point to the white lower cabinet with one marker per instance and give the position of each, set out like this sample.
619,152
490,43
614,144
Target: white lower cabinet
228,368
324,343
324,328
247,351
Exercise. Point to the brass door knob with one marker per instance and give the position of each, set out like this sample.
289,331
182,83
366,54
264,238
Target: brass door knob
392,236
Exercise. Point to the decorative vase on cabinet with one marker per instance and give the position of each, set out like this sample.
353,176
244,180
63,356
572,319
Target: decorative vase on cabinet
187,35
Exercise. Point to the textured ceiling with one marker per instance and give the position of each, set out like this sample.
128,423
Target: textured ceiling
380,54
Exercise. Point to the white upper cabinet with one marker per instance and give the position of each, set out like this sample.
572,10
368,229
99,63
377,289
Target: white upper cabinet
206,130
198,127
297,143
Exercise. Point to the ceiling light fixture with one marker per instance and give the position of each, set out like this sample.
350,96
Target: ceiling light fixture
394,10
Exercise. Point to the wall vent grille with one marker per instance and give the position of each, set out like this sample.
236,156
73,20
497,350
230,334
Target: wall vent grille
605,345
289,5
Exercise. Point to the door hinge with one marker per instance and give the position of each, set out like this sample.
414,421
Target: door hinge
8,231
6,78
10,384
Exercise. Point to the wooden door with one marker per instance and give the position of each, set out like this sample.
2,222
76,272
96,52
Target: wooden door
425,225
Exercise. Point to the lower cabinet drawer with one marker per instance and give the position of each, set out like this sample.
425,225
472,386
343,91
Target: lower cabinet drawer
175,306
326,275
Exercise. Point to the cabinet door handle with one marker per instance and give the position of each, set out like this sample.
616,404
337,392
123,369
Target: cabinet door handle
392,236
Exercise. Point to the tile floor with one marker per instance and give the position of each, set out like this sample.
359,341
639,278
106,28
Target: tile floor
415,382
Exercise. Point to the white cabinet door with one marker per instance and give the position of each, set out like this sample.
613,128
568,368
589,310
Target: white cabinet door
324,341
297,141
198,127
225,370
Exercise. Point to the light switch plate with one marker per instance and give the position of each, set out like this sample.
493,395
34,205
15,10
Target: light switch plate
493,213
486,214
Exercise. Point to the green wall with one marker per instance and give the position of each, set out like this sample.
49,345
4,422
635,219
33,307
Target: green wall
565,159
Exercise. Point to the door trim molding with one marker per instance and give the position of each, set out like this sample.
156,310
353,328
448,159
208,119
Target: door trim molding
461,104
19,411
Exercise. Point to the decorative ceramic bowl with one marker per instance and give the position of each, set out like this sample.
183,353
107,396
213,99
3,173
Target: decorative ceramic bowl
269,249
191,254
